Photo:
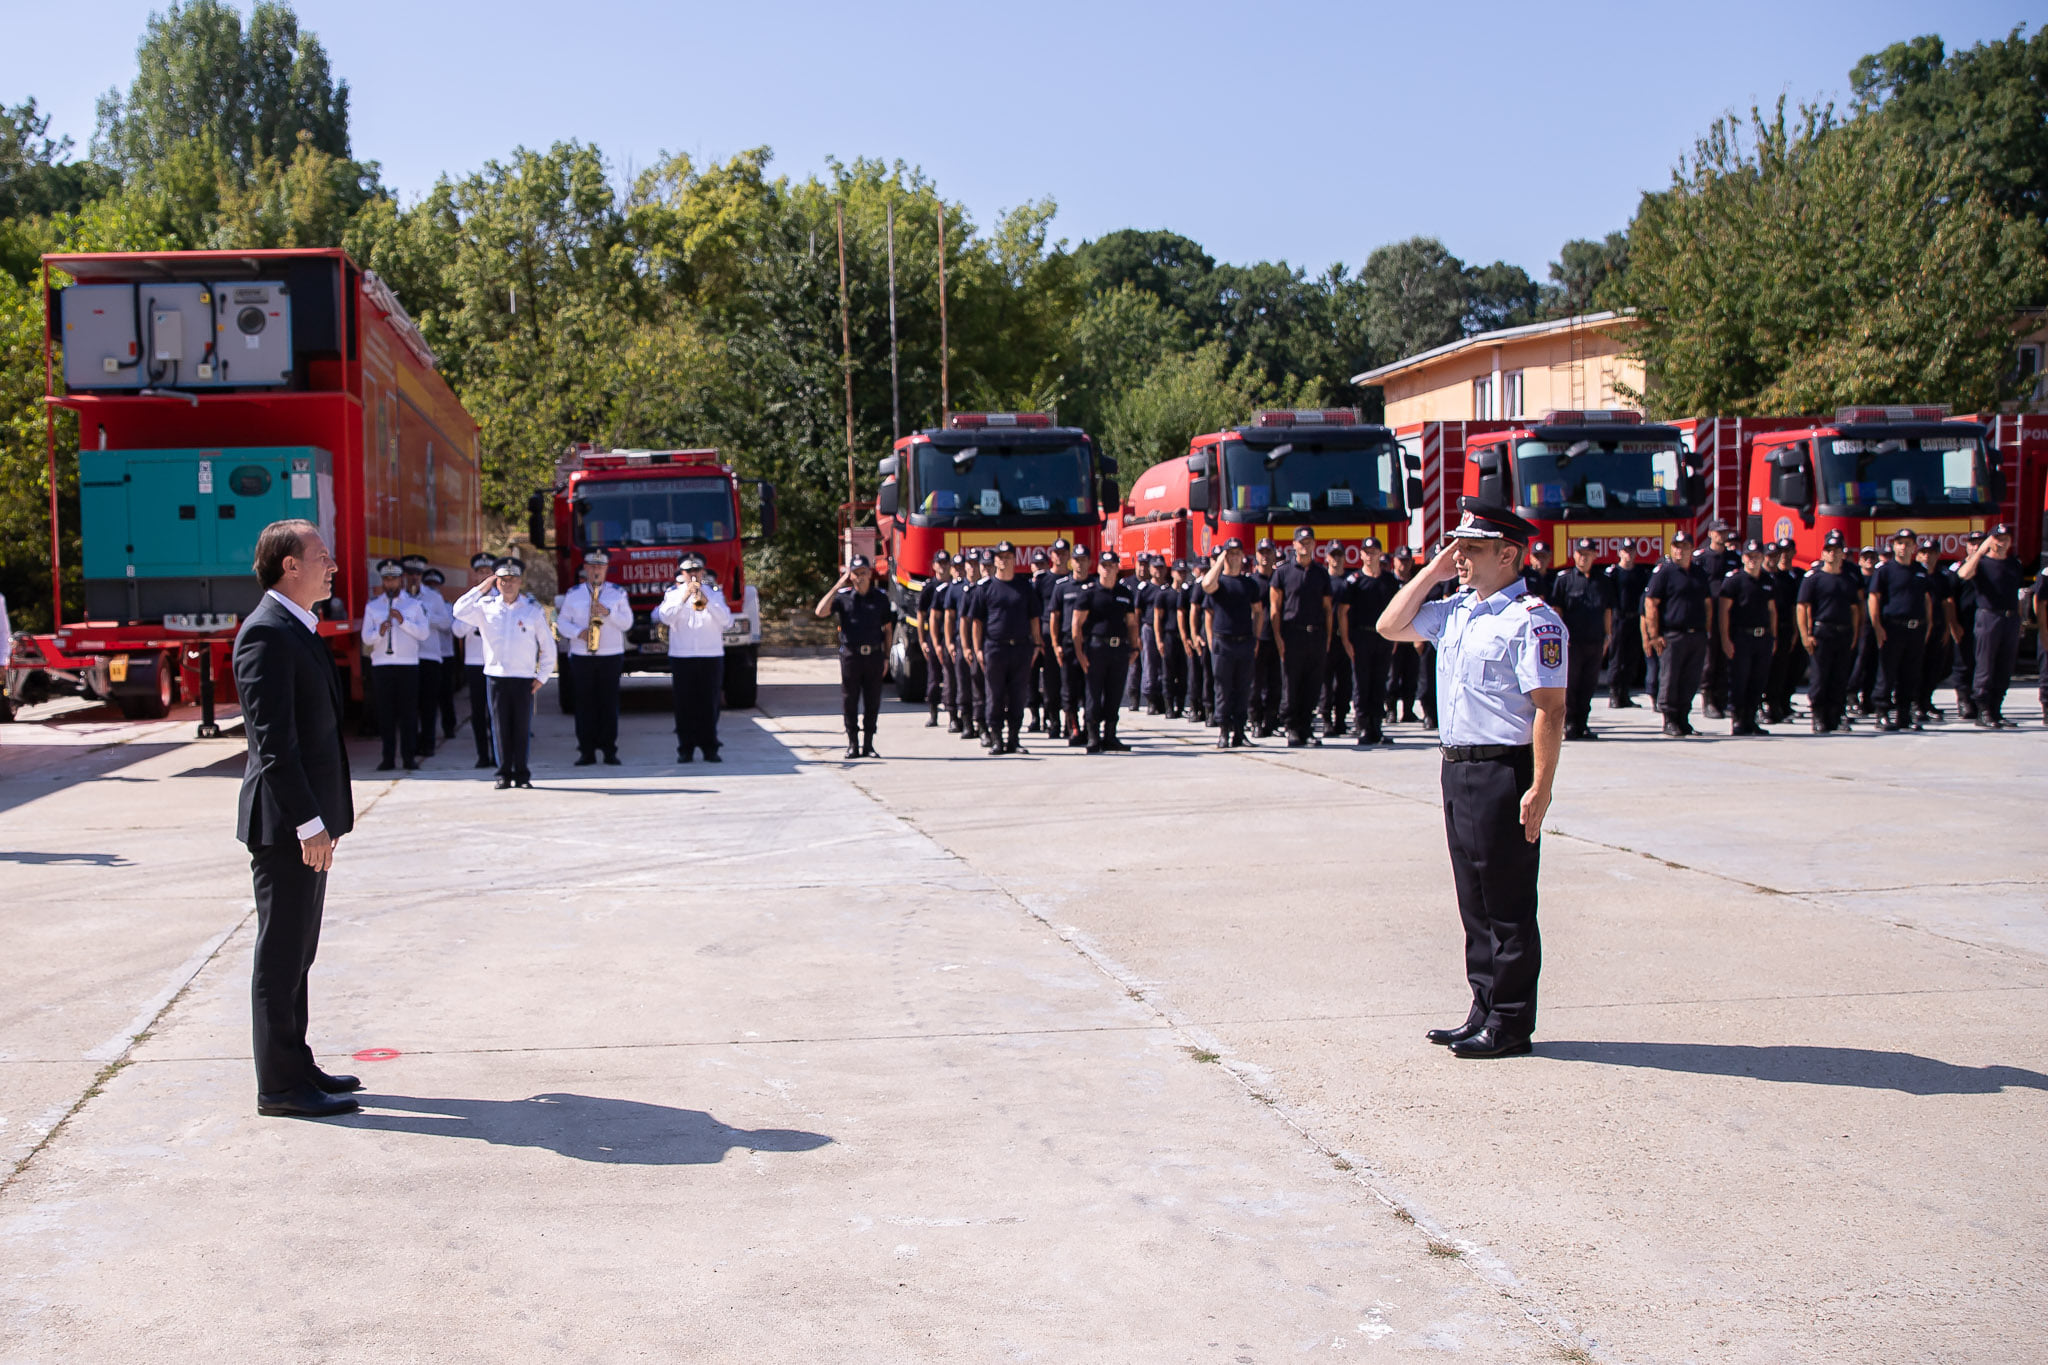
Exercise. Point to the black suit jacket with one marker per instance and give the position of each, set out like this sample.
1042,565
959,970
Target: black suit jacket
292,712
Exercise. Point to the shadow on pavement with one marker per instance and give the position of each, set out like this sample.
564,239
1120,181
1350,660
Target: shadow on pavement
54,859
586,1127
1852,1066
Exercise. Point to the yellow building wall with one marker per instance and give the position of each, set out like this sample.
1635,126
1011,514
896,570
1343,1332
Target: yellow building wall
1557,372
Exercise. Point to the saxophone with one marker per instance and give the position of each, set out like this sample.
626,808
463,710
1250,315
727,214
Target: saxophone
593,631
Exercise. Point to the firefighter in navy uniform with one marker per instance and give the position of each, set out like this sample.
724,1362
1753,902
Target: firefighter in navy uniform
1717,561
1365,598
1299,600
927,638
1502,701
1337,689
1995,578
1677,615
1746,633
1899,614
946,621
1626,579
1005,624
1404,674
1168,607
1830,622
1863,671
1105,627
1585,602
866,628
1788,658
1236,607
1051,672
1040,580
1941,611
1266,671
1962,593
1194,620
1073,677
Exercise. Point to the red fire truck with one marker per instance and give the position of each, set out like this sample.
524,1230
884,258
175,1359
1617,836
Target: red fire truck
217,391
983,477
645,508
1599,473
1287,468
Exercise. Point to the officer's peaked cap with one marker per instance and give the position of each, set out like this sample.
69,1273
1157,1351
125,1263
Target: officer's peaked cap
596,557
689,562
508,567
1488,521
483,560
388,568
433,578
413,563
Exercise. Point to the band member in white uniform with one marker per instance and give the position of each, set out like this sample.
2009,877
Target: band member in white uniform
595,610
394,628
519,658
696,616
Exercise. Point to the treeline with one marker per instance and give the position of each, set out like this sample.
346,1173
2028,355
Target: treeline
699,304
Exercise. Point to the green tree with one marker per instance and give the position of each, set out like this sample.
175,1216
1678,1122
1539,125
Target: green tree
1580,274
1186,394
1415,297
1499,295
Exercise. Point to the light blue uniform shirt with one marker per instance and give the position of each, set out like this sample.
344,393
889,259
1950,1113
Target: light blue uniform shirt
1490,654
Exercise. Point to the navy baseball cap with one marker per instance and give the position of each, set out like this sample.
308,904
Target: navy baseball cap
1752,547
1585,543
1180,566
1833,540
1680,538
1060,543
941,557
1040,558
1235,544
1003,547
2001,530
1904,533
1108,557
1266,543
860,562
1305,533
1929,543
1371,543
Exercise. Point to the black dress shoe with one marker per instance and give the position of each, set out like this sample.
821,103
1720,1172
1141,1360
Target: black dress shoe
387,766
711,756
867,748
503,784
412,765
852,749
1444,1037
335,1085
611,760
304,1102
1491,1043
486,763
584,761
523,783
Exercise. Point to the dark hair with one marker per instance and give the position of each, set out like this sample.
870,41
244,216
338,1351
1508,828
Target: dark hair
279,540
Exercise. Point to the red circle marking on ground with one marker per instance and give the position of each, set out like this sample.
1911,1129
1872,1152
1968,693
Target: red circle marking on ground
377,1054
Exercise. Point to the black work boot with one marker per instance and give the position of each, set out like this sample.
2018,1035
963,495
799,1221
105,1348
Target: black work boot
867,746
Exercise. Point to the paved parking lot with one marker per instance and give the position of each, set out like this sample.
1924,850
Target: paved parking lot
1054,1057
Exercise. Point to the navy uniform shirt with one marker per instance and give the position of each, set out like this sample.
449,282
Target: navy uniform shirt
862,617
1167,600
1680,595
1719,563
1230,605
1365,601
1998,584
1937,589
1490,654
1627,586
949,601
927,599
1064,594
1538,580
1785,592
1005,611
1303,590
1583,600
1145,591
1900,590
1832,596
1263,582
1108,611
1195,601
1749,602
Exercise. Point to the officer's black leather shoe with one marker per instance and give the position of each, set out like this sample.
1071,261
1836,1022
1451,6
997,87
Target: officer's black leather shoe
386,766
412,765
584,760
931,723
867,748
611,759
336,1085
1296,742
952,727
711,756
1671,730
486,763
1444,1037
1075,741
503,784
1491,1043
1114,745
524,784
304,1102
1222,740
1587,734
1094,748
852,749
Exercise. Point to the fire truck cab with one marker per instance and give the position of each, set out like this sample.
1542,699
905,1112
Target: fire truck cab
1871,471
981,478
1602,474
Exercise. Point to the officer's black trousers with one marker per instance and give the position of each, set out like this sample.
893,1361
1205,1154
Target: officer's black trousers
1155,668
511,724
1201,694
1684,661
1138,686
1581,678
480,713
1863,669
1375,657
1077,683
977,689
956,690
594,687
1267,680
1966,661
1714,680
860,690
934,678
1904,647
1827,694
430,703
1494,869
1935,662
1787,661
1425,683
1173,674
1303,680
694,686
1108,665
395,696
1008,669
1336,688
1624,657
289,899
1051,685
1403,676
1748,672
1998,646
1232,662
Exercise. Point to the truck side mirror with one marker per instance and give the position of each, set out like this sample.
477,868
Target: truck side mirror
1695,489
1202,462
890,464
1112,496
536,519
885,500
1492,488
1415,493
1790,488
1200,491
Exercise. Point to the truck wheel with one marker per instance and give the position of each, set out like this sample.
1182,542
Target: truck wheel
906,667
742,669
153,705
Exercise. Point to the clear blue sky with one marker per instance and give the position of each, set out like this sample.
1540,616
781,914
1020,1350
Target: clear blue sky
1305,129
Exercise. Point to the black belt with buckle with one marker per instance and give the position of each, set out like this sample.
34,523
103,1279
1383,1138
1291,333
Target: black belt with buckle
1759,630
1113,641
865,649
1911,623
1006,642
1237,638
1683,630
1480,753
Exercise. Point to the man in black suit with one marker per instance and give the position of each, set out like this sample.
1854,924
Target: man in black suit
295,805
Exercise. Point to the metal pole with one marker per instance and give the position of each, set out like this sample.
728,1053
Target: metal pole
846,351
945,387
895,382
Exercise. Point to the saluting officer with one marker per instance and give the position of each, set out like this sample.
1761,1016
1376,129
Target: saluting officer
435,608
1359,608
594,674
442,619
935,680
1626,579
696,614
1501,697
394,628
482,570
1996,577
866,630
1746,634
1105,629
1585,602
1237,608
1677,612
1005,621
1073,677
1830,620
1299,600
519,658
1897,598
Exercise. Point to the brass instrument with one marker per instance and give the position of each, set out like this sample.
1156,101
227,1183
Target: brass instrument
592,632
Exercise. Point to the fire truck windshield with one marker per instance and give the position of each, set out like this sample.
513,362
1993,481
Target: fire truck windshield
989,482
1595,478
1904,471
1305,475
653,512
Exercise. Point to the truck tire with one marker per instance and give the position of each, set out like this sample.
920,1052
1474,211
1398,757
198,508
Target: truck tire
742,673
156,704
906,665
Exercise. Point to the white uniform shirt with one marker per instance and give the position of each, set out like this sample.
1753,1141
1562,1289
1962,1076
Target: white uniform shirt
694,634
572,618
409,630
1490,654
440,642
516,639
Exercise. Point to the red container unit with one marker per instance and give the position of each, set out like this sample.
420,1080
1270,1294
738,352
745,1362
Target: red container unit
216,390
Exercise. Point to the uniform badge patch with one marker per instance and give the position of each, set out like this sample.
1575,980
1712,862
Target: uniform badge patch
1553,653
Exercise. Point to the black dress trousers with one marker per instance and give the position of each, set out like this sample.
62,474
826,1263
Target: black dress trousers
1583,651
480,713
1625,657
860,688
1375,661
694,686
1828,692
1684,662
1108,666
1303,680
1899,659
289,900
1007,666
429,703
1748,673
1232,665
1494,869
395,697
512,724
594,686
1998,646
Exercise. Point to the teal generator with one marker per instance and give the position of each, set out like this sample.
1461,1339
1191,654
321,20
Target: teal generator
173,532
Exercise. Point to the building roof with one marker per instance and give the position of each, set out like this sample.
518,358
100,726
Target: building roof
1574,323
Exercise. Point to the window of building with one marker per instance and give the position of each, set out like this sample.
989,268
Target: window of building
2027,368
1482,398
1511,394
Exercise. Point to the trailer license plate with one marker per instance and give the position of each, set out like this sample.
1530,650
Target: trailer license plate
117,668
